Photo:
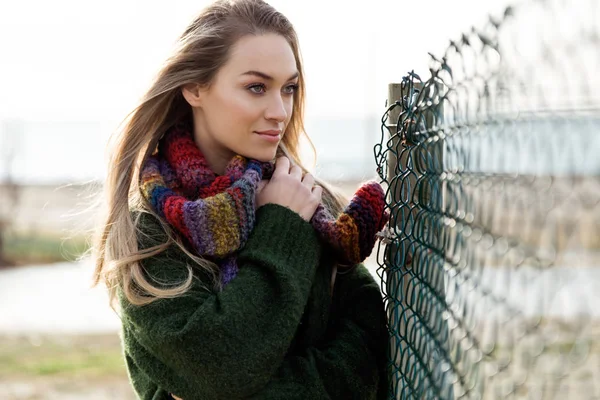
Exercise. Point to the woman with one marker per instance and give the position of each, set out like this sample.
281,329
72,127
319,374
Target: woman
223,262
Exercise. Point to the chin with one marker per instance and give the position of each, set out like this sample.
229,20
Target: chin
263,156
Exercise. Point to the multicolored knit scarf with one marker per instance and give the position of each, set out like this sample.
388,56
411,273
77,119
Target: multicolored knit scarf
215,214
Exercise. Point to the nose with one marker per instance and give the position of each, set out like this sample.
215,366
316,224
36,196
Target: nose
277,108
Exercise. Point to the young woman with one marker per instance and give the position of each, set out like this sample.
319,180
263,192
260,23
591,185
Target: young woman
236,275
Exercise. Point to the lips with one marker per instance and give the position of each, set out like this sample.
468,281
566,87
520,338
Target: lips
269,132
271,136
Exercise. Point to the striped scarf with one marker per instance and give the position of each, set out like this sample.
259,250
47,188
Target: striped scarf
215,214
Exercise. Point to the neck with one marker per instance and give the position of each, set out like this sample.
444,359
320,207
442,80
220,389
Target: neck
216,156
216,163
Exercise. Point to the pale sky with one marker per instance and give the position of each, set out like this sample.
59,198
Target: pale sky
70,71
82,60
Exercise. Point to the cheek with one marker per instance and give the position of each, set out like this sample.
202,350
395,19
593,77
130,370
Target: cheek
230,115
289,111
240,108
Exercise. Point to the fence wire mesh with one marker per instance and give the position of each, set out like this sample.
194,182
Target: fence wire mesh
491,264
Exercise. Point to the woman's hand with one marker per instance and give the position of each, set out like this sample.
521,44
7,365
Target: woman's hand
290,189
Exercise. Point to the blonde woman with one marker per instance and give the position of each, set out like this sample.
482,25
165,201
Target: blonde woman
236,273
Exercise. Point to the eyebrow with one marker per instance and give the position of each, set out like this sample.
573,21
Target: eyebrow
267,77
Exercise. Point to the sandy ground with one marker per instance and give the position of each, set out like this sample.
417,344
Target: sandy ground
62,366
67,389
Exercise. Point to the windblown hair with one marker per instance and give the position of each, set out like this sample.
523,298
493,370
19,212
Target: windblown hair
200,52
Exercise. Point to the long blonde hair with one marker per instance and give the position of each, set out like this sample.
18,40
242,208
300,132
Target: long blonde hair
200,52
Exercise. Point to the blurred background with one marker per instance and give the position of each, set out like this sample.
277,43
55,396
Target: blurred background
69,73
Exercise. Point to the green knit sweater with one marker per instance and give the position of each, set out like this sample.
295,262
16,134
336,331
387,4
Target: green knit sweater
274,332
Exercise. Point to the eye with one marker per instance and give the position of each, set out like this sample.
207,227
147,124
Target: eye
291,89
259,86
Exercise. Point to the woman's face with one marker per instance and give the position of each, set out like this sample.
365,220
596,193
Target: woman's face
247,107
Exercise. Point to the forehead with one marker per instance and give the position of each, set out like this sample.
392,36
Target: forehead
270,54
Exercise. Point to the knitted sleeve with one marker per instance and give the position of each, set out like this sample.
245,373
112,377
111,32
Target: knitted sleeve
352,363
226,345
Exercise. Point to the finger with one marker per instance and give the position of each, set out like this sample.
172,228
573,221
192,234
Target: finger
317,191
261,185
296,172
282,166
308,180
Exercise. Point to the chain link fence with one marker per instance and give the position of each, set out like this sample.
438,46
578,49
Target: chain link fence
491,264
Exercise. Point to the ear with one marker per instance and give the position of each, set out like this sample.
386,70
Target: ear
193,94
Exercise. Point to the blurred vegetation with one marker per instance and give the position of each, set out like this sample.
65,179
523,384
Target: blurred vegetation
39,248
46,223
93,356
